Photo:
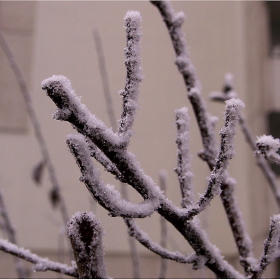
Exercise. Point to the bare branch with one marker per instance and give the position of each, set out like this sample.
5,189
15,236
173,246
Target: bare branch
9,229
85,233
41,264
36,126
105,80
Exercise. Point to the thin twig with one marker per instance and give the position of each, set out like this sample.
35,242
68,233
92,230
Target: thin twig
105,79
41,264
56,189
271,249
163,228
9,229
131,241
144,239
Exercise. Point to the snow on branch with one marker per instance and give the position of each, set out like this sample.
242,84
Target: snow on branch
226,153
183,168
60,90
205,122
106,196
41,264
70,109
85,234
103,160
271,247
163,226
227,92
174,22
268,147
145,240
133,74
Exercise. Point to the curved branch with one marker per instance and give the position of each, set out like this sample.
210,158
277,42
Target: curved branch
106,196
144,239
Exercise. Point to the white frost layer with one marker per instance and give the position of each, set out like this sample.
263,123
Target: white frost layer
268,140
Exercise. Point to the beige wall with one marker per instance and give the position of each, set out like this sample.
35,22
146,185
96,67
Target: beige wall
219,39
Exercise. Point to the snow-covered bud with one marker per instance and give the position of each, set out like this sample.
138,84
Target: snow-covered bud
85,234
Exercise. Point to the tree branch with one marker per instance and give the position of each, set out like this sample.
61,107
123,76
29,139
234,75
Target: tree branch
205,122
133,74
41,264
106,196
55,193
183,168
271,247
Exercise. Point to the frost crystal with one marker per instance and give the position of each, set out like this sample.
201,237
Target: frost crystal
268,146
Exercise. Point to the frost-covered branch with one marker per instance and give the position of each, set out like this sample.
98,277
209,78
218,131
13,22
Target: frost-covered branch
145,240
70,109
90,126
268,146
225,154
106,196
41,264
133,74
55,193
225,94
271,247
205,121
103,160
183,168
85,234
163,226
100,157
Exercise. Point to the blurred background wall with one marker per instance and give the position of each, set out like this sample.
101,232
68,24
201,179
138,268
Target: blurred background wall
53,37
